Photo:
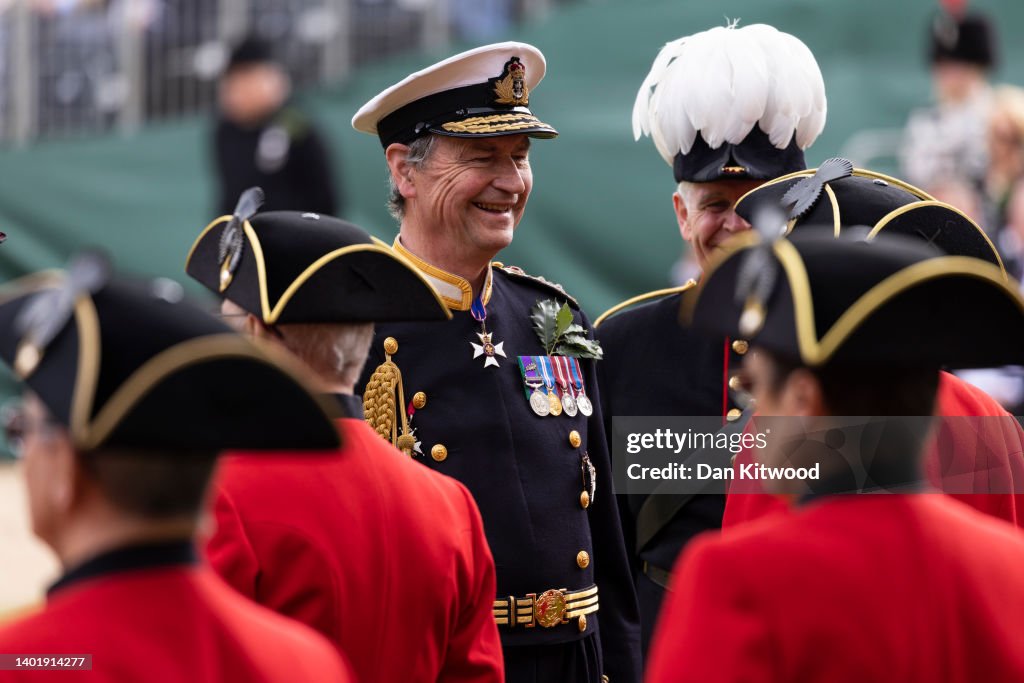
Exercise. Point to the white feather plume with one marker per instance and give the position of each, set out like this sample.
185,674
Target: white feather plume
724,81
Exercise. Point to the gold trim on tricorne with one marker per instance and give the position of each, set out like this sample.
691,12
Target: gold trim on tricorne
857,172
817,352
212,224
895,213
321,262
689,284
170,361
89,353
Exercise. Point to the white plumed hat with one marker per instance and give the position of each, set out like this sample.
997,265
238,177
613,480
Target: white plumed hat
732,103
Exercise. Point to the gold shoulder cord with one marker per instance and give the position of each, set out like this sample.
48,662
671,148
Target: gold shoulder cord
379,401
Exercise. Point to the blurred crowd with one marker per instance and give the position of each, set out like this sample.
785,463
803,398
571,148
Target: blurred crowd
69,67
967,150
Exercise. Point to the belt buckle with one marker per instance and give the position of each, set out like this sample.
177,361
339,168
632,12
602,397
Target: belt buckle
549,608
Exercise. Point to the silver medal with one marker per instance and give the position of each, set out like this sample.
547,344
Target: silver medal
584,404
539,402
568,403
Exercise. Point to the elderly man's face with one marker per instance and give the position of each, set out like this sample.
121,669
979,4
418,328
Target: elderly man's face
48,468
706,216
472,192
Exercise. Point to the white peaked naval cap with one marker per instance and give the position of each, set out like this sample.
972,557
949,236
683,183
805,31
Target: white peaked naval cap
484,92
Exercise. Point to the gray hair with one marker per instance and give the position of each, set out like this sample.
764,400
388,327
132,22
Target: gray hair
419,151
333,351
685,190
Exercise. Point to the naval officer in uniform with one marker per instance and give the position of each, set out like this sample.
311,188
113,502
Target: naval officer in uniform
727,109
503,396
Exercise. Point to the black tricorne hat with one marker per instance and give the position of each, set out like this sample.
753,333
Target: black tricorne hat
821,301
969,39
131,365
837,197
293,267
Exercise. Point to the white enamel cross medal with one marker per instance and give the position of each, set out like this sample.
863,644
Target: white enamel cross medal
486,347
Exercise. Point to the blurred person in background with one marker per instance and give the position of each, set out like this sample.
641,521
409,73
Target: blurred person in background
948,140
262,140
1006,153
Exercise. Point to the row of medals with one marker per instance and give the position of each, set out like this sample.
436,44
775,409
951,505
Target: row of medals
549,403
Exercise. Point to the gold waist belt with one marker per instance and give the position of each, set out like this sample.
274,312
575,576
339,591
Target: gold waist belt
549,609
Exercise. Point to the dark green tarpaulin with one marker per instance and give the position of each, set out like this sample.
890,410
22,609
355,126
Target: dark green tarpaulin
599,220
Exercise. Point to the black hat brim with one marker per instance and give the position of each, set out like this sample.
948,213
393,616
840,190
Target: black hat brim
854,304
281,281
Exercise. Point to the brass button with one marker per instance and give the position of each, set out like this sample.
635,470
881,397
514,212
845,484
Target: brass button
733,414
439,452
584,500
735,383
419,400
390,346
740,346
583,559
574,439
583,623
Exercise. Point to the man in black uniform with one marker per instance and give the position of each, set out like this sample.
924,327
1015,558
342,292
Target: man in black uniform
262,140
503,395
745,133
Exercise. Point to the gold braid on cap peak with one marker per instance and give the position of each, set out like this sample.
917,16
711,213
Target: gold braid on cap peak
379,401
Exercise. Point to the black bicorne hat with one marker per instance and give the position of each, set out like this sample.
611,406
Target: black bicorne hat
837,197
292,267
970,39
847,302
126,364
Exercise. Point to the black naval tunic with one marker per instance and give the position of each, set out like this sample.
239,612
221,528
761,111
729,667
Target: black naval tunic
654,366
526,474
285,156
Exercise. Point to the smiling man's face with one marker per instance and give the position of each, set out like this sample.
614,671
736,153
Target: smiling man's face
472,192
706,216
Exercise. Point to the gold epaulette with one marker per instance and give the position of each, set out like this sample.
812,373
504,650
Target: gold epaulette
384,397
518,272
658,293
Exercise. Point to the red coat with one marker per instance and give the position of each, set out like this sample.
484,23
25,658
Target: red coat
382,555
996,451
170,624
908,588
